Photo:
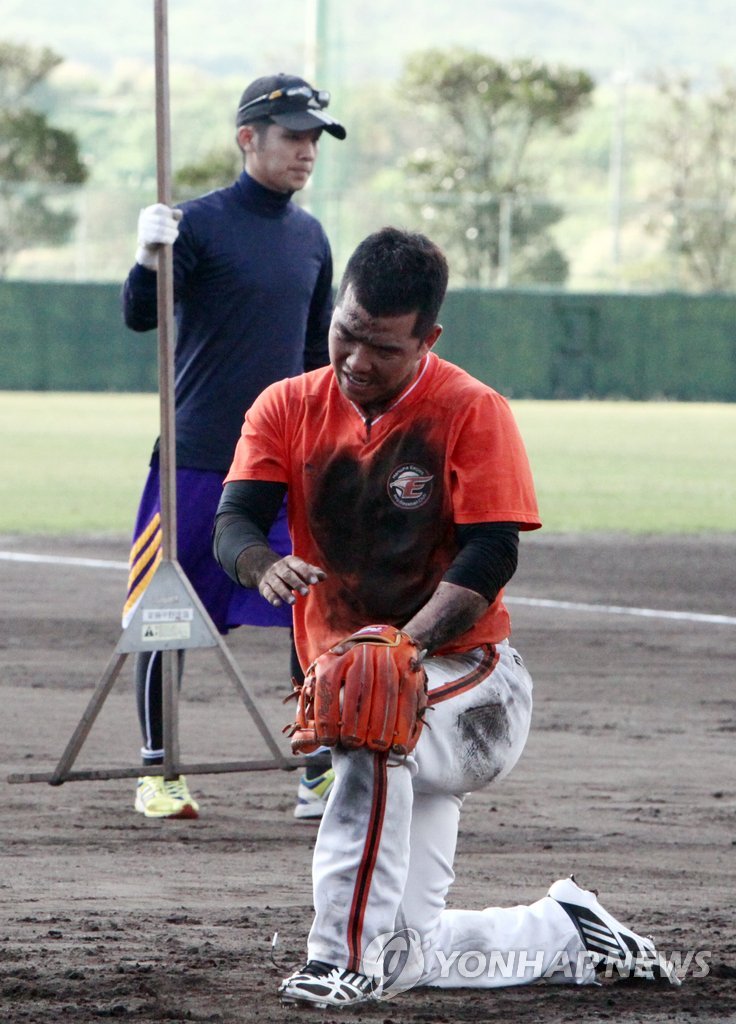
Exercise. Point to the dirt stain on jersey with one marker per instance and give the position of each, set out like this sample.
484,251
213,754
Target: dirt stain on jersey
376,553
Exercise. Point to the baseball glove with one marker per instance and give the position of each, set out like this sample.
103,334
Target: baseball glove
373,694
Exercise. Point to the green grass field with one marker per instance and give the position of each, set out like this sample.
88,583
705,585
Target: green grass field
75,463
639,467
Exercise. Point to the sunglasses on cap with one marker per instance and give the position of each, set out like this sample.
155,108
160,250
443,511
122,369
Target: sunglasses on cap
317,99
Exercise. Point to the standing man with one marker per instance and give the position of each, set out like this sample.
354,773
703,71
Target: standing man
253,300
408,486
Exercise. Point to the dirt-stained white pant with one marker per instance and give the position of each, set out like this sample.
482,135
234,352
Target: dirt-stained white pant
383,860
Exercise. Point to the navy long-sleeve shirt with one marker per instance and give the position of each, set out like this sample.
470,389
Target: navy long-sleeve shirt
252,302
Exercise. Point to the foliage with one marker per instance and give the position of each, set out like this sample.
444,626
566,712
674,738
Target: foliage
33,156
217,168
475,183
695,138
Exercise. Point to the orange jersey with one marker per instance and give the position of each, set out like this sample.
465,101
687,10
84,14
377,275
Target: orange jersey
375,504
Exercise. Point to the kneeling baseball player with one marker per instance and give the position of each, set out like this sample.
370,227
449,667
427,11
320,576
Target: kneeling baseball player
408,487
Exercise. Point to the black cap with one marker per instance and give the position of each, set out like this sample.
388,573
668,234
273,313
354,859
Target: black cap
289,101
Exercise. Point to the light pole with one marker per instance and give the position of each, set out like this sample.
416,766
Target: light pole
616,167
316,60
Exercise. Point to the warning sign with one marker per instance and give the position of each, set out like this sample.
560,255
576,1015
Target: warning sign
169,616
155,631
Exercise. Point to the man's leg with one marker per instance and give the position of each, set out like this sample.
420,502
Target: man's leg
481,711
198,493
156,797
560,937
466,948
359,872
149,699
477,736
197,496
361,857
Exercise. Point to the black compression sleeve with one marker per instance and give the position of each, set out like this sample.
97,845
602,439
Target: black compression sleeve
244,516
487,558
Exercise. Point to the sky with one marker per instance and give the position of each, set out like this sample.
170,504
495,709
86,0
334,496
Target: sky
369,38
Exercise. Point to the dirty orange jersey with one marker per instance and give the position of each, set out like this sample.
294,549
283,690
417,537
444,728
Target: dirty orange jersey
375,503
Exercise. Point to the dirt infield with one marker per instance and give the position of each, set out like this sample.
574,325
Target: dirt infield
627,780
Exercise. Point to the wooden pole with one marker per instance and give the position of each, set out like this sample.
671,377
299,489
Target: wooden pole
165,291
166,343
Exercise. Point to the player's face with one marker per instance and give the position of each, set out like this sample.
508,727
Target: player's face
374,358
278,158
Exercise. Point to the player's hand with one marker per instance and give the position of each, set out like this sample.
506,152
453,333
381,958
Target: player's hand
157,225
283,580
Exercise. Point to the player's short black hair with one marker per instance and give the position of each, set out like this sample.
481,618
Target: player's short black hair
393,272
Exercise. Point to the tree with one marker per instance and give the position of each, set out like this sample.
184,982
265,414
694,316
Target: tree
216,169
475,184
34,155
695,138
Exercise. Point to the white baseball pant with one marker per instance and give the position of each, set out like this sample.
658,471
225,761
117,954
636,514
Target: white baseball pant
383,860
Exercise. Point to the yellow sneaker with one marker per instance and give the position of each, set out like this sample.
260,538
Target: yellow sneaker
312,794
157,797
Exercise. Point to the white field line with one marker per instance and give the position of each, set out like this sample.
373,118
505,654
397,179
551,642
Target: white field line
614,609
80,563
533,602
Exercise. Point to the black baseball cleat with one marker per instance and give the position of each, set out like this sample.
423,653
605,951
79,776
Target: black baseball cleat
609,943
320,985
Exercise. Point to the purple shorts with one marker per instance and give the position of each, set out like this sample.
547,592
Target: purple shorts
197,496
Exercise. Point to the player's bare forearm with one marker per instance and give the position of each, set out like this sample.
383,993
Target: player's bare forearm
449,612
277,579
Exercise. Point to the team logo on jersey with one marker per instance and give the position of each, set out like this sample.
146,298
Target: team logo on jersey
410,486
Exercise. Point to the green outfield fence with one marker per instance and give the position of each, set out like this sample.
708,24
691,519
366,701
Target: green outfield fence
527,344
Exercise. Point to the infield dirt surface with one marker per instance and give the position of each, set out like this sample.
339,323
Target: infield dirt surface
627,780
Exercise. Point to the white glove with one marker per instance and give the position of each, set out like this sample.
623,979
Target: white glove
157,225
